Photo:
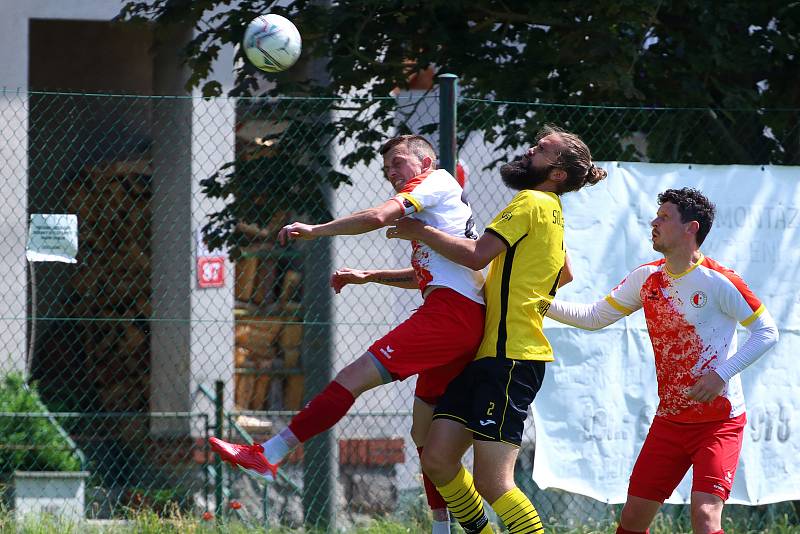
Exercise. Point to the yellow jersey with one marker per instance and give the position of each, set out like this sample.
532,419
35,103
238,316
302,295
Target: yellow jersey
523,279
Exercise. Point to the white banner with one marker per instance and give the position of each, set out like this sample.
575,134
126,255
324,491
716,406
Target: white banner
599,396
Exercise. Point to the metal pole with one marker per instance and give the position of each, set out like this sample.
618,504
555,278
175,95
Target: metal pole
206,452
448,89
319,453
32,330
219,406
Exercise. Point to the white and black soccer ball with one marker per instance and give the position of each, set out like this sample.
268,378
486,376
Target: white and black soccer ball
272,43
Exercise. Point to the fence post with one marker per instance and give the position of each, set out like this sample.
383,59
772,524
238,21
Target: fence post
319,453
219,406
448,88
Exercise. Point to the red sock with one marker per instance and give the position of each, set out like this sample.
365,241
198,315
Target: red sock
322,412
720,531
435,500
621,530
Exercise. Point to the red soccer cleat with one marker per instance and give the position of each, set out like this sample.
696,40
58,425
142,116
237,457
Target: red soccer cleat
249,458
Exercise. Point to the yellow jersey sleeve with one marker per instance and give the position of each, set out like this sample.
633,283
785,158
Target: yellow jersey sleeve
514,221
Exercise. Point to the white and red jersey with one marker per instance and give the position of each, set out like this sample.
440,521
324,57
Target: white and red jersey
691,318
435,198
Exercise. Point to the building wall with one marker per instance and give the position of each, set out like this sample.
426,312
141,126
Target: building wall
14,75
48,45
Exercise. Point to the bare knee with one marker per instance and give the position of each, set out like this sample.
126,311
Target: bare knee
628,517
638,513
706,512
439,467
432,461
493,487
350,380
418,434
706,518
361,375
494,468
422,417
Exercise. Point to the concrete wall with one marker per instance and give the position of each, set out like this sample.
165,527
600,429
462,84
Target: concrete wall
192,139
14,74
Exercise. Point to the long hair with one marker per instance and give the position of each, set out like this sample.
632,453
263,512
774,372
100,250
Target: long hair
574,158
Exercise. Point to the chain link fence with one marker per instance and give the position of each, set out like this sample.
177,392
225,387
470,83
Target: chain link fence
183,318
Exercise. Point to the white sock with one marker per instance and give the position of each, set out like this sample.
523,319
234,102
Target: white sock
279,446
440,527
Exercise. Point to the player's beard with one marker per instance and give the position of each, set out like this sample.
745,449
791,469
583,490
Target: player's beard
520,174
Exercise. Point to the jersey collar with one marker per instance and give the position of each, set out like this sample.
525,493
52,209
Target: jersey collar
687,271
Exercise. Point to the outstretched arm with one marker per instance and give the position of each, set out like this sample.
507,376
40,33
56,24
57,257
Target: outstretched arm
475,254
356,223
402,278
587,316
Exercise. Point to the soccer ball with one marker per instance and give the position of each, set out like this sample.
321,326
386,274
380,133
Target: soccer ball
272,43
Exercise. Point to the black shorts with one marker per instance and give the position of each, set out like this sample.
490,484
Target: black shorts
491,397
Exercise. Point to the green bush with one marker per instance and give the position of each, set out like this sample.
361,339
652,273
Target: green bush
30,443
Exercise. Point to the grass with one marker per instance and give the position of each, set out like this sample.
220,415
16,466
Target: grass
150,523
667,525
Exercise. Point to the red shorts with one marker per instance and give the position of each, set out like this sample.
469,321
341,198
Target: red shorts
711,449
439,339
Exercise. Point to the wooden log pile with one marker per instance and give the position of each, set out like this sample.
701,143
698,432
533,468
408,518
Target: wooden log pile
111,284
269,335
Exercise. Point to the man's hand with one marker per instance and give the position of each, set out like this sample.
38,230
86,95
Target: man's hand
342,277
296,230
707,388
406,228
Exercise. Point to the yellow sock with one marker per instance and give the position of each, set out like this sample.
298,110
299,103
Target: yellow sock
518,513
465,503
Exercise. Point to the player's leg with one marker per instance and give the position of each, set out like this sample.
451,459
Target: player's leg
331,404
418,343
431,387
490,399
320,414
706,513
494,468
715,454
436,346
422,416
447,442
494,479
448,439
637,514
662,463
508,388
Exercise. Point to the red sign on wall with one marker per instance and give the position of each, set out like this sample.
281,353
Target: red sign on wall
210,271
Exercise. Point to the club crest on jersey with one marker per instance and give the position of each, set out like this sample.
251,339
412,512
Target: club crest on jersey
698,299
408,207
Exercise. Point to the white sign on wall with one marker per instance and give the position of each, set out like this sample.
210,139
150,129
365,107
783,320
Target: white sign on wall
599,396
52,237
